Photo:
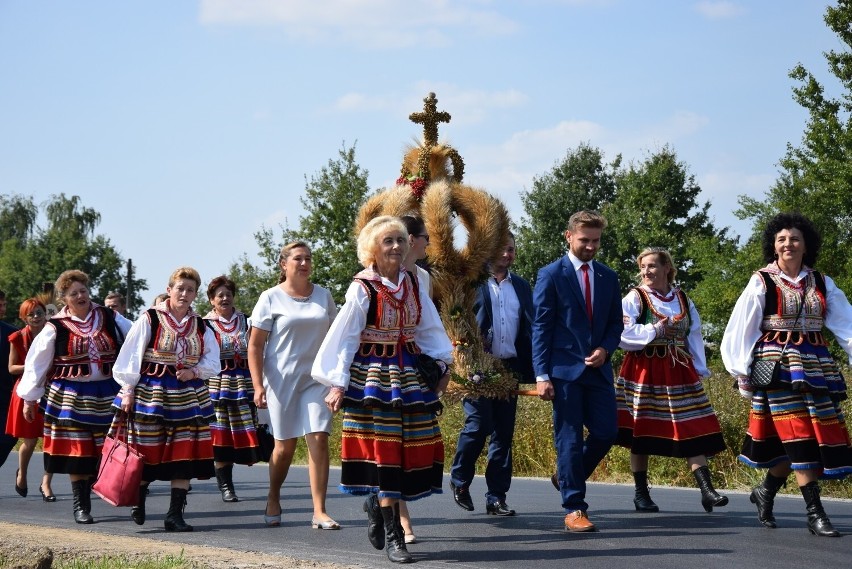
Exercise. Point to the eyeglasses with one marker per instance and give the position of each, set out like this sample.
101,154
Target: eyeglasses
37,314
424,236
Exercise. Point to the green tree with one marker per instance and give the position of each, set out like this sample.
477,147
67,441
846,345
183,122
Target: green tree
816,176
581,180
332,199
32,255
656,204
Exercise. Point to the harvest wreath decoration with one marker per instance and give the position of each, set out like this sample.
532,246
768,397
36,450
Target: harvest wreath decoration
426,188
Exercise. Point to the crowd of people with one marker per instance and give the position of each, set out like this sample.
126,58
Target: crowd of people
187,389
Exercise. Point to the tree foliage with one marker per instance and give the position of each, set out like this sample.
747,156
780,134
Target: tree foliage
656,205
816,175
581,180
31,255
332,199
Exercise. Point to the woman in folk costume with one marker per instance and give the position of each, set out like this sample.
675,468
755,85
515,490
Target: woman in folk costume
796,423
391,445
33,313
69,369
233,431
662,407
161,369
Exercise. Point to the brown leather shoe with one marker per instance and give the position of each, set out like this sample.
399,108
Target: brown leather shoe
578,521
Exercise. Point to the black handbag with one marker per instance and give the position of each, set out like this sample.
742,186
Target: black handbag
266,442
429,371
764,372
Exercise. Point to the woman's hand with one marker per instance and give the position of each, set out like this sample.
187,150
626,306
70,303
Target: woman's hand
443,383
29,411
334,399
127,399
186,374
259,397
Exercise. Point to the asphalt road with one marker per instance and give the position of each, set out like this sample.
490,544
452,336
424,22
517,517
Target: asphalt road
682,534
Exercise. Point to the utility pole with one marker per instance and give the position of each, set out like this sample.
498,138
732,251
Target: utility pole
129,284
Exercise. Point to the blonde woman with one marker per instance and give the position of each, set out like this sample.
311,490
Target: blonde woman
391,448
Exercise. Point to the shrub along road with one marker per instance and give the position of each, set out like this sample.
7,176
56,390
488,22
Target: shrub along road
682,534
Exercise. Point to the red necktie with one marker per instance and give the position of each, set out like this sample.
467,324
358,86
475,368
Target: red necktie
588,285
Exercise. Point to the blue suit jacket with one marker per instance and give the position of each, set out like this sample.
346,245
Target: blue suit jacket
562,336
523,342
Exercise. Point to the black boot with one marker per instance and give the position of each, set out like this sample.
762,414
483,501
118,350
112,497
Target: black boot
174,517
137,512
763,497
394,540
82,501
709,496
225,478
375,524
642,498
818,522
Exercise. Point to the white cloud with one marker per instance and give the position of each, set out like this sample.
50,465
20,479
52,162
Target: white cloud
371,24
719,9
507,168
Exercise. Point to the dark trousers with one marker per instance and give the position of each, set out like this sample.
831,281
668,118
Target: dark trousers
587,401
486,417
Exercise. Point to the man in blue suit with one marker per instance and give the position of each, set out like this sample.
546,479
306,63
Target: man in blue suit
577,326
504,312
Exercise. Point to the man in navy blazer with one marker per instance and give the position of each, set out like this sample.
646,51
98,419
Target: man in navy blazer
504,313
577,326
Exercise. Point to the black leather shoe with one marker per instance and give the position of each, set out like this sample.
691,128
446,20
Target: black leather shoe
462,497
499,509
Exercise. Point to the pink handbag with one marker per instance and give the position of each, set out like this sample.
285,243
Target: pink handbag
120,471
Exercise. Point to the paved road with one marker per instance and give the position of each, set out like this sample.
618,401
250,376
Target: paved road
682,534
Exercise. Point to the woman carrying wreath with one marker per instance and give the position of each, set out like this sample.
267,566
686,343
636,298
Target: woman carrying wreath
391,444
662,407
795,425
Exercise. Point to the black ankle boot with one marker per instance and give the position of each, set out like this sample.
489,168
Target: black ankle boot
174,517
642,498
137,512
225,479
82,501
394,540
763,496
818,522
375,524
709,496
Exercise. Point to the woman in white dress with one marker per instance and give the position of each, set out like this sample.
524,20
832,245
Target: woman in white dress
288,324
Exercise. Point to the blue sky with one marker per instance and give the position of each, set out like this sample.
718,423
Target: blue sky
190,124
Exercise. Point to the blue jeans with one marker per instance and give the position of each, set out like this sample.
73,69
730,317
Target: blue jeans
587,401
484,417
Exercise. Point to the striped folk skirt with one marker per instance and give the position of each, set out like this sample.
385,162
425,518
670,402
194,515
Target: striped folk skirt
391,442
807,429
801,422
233,430
77,415
170,425
663,409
